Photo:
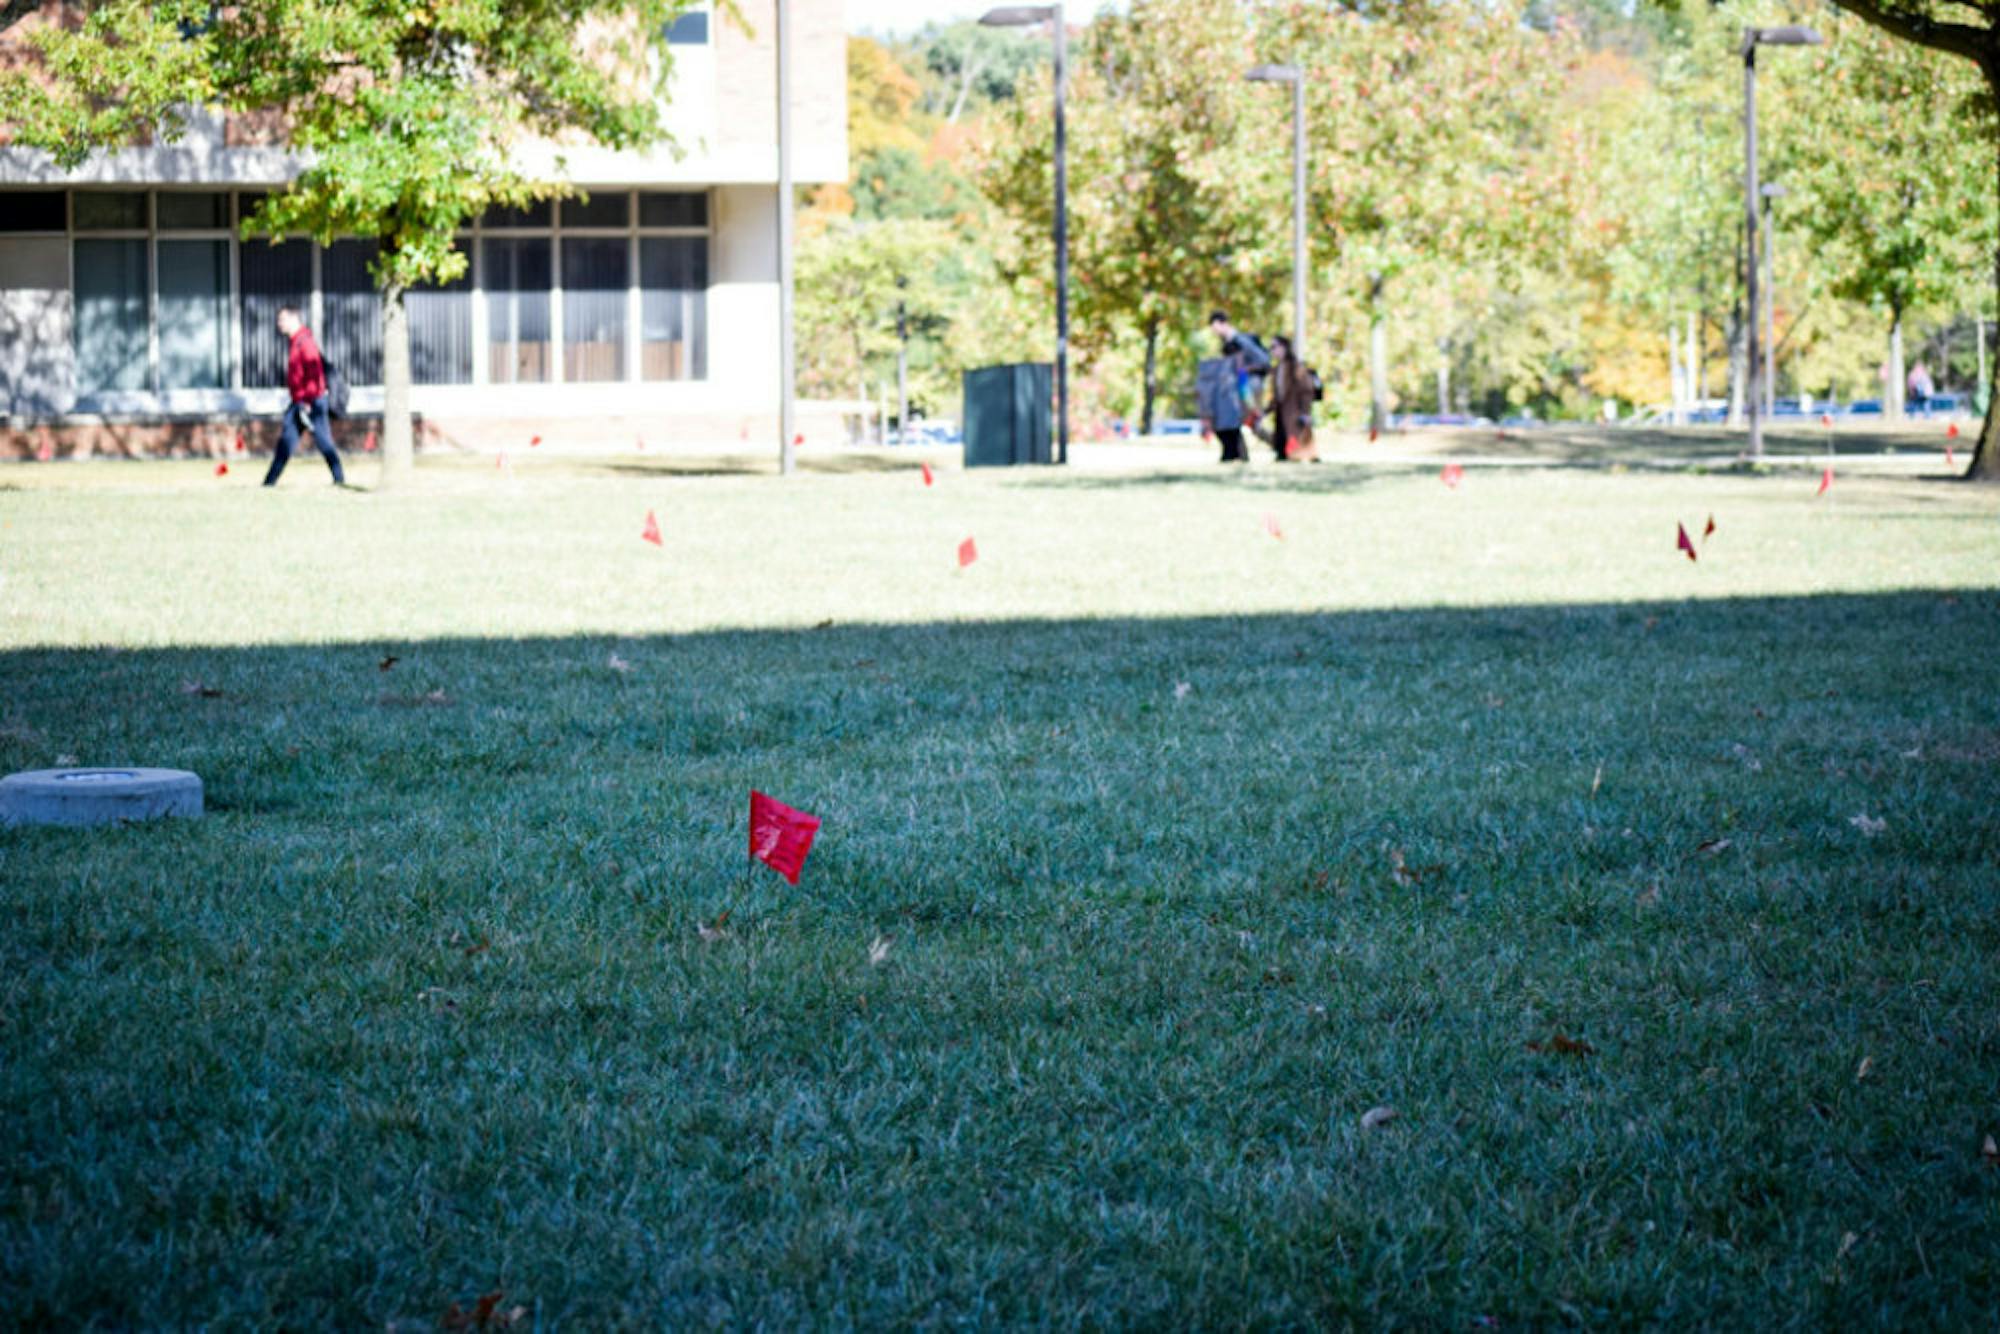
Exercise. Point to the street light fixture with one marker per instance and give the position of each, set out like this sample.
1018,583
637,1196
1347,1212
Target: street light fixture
1752,39
1025,16
1296,77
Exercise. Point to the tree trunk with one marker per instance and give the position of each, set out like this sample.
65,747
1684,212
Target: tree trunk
1893,389
1986,458
399,446
1152,387
1378,372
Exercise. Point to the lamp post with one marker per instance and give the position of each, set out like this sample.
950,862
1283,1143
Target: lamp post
1752,39
1296,77
1027,16
787,347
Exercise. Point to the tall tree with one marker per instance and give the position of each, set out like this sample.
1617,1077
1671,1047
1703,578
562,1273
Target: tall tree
410,114
1970,30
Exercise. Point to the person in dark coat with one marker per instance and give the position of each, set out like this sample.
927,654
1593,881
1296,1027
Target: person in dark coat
305,377
1221,406
1291,405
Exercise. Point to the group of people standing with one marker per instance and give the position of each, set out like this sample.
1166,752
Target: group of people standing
1234,395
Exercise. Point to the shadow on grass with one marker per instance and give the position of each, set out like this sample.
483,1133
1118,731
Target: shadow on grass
1114,931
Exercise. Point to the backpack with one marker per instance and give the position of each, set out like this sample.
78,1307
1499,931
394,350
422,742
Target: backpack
336,390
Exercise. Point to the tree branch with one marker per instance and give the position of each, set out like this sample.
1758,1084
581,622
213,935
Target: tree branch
1959,39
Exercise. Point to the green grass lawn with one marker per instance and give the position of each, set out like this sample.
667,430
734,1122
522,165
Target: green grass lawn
1187,846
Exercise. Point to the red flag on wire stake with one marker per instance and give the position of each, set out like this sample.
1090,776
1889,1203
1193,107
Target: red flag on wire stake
929,480
799,440
533,441
780,836
222,470
368,445
1272,526
1951,431
1685,543
651,532
1950,459
239,441
968,552
1451,475
1291,447
1826,420
1825,482
1373,435
1708,530
45,451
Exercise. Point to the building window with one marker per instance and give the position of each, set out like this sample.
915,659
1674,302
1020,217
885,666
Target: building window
181,211
538,214
516,273
350,311
610,208
689,30
441,331
193,314
33,211
111,325
679,209
596,273
111,210
273,276
673,308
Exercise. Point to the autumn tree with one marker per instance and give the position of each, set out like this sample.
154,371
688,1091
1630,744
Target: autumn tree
411,118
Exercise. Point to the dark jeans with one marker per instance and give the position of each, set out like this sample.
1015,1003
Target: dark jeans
296,416
1233,450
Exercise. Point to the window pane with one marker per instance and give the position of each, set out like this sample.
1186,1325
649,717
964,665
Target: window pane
594,292
273,276
609,208
675,210
110,316
194,314
517,277
673,308
539,214
688,30
32,211
441,332
179,211
104,210
351,311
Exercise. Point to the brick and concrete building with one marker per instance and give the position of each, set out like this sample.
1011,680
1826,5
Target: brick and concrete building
133,320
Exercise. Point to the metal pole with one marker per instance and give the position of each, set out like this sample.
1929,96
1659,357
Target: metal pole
1062,245
902,374
787,353
1770,316
1299,215
1752,397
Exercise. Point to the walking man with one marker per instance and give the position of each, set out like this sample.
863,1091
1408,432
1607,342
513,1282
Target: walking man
305,376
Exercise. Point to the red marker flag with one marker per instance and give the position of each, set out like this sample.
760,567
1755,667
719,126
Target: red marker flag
1826,420
1951,431
1373,435
1950,459
368,445
1451,475
968,552
799,440
651,532
46,450
1271,526
239,442
780,837
222,470
534,440
929,480
1708,531
1825,482
1685,543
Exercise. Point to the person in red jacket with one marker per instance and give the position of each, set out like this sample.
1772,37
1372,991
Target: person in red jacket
305,376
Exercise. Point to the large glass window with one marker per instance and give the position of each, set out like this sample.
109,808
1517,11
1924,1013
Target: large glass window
596,277
673,308
441,332
111,210
607,208
517,273
182,211
111,317
350,311
688,30
194,314
679,209
273,276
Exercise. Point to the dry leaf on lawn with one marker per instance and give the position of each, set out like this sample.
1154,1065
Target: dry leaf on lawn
1861,1071
713,931
1714,847
878,952
1377,1116
387,663
1564,1045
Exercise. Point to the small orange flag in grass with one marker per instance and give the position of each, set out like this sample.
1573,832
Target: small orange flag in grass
222,470
1685,543
1451,475
968,552
368,445
1951,431
651,532
239,442
780,835
1825,482
1708,531
45,451
929,479
1273,527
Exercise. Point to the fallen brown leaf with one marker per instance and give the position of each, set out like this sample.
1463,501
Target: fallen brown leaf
1861,1071
387,663
478,947
485,1314
1377,1116
1563,1045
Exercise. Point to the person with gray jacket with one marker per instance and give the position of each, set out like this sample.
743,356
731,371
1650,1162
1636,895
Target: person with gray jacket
1221,406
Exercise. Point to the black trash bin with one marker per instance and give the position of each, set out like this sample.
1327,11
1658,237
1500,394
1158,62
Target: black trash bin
1007,415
